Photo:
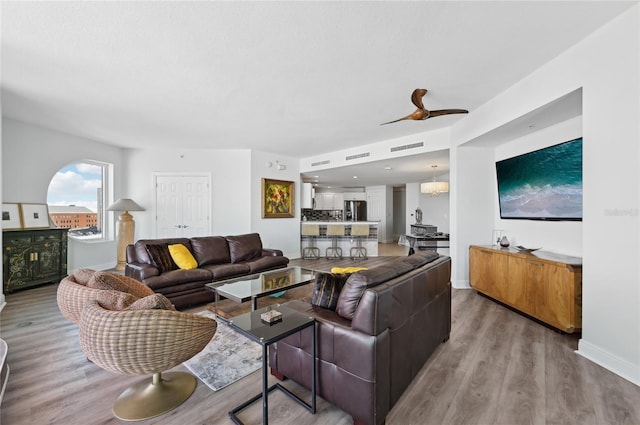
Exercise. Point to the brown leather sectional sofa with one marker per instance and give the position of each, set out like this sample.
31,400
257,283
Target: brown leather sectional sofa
366,363
218,257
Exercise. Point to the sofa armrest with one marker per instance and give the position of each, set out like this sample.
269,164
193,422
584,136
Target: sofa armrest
141,271
267,252
373,315
131,255
354,368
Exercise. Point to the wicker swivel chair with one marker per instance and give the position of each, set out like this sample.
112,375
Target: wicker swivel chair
73,292
140,342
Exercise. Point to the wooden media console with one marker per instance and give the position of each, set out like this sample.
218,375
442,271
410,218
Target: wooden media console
543,285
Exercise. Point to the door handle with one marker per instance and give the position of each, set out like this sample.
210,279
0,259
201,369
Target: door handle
178,226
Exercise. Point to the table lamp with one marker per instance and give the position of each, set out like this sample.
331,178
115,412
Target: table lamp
126,227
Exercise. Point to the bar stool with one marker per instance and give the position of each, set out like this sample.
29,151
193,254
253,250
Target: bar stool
310,232
359,232
334,230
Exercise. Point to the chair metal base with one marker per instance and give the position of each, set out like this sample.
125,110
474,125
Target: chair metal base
360,253
148,399
311,253
333,252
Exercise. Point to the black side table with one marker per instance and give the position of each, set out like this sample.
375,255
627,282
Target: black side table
251,325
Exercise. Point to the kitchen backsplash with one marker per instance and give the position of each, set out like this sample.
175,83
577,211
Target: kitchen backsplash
321,215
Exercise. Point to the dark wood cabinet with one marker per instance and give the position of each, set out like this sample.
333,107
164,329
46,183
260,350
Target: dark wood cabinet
32,257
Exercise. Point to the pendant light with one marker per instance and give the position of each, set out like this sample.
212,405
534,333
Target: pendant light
434,187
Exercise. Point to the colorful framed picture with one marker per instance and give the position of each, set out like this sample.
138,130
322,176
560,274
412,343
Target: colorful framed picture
35,215
278,279
277,199
11,216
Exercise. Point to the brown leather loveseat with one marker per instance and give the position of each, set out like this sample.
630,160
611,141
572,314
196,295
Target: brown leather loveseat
387,322
218,258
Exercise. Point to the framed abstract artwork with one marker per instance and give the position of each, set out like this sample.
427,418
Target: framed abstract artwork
35,215
11,216
277,199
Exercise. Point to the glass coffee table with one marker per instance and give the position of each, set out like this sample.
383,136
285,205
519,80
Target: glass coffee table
252,287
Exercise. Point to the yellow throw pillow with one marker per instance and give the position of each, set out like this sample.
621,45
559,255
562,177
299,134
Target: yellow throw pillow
341,270
182,257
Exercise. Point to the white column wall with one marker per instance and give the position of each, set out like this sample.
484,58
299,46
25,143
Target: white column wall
606,65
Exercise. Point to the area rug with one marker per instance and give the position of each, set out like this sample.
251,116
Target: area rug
228,357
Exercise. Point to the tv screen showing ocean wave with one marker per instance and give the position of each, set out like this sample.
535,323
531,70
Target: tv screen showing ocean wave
542,185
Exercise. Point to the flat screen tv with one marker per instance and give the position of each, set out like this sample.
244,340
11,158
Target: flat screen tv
542,185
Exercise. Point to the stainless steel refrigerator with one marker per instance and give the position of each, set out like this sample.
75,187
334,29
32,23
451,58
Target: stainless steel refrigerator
355,210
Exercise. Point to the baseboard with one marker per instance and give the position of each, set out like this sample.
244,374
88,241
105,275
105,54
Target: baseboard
104,266
611,362
460,284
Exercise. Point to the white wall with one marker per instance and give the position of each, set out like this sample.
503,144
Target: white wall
412,199
32,155
236,177
471,198
606,65
279,233
382,196
399,212
230,172
434,140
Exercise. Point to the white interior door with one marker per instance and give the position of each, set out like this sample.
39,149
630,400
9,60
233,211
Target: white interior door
182,206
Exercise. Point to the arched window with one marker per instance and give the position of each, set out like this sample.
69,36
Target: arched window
77,197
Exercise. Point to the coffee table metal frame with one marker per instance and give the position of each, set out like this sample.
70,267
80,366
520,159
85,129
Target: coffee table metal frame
220,288
251,326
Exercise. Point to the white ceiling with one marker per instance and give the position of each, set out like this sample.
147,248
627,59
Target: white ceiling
295,78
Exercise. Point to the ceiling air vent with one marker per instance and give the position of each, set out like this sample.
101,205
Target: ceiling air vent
360,155
325,162
405,147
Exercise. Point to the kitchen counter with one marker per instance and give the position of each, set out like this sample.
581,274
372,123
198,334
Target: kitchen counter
346,242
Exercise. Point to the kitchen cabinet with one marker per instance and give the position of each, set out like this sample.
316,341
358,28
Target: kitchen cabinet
355,196
308,193
338,201
32,257
322,199
329,201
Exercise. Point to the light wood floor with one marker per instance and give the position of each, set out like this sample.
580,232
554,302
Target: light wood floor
498,368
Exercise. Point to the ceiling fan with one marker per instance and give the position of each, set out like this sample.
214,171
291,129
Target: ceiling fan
421,113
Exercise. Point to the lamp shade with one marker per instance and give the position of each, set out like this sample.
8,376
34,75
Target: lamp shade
433,188
125,204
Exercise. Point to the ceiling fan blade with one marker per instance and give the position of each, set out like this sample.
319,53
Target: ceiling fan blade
416,97
447,112
419,114
400,119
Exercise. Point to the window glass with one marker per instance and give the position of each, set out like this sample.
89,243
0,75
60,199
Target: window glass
77,199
